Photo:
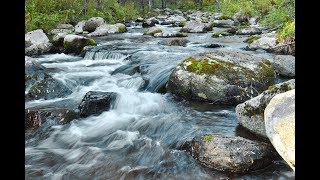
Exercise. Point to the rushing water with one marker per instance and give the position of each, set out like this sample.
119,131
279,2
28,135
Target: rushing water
140,137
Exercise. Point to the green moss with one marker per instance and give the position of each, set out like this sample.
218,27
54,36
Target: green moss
216,34
181,35
122,29
182,24
153,32
67,45
92,42
283,88
208,138
231,30
252,38
265,72
251,111
182,91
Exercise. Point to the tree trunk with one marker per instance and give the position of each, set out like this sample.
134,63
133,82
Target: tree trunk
162,4
150,4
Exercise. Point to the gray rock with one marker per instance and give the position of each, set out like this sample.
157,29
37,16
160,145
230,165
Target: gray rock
284,65
33,72
249,31
93,23
148,23
174,19
57,31
240,18
250,114
78,29
168,35
152,31
35,117
139,19
106,29
280,125
153,20
231,154
174,42
38,43
75,43
194,27
228,23
221,77
265,43
57,40
65,26
95,102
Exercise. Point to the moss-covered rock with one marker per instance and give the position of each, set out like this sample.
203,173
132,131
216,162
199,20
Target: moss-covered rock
250,114
75,44
221,77
252,38
152,31
122,28
174,42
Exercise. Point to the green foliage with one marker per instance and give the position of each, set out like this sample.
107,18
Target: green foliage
182,23
276,18
252,38
288,31
46,14
122,29
92,42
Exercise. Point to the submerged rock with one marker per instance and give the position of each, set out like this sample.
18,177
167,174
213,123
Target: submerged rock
48,88
174,42
35,117
280,125
221,77
33,72
95,102
37,43
250,114
231,154
284,65
75,44
93,23
194,27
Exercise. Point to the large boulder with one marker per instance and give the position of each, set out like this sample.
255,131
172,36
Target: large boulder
231,154
95,102
35,117
65,26
78,29
152,31
174,42
249,31
194,27
221,77
175,19
93,23
280,125
48,88
75,44
57,39
284,65
265,43
148,23
224,23
37,43
57,31
250,114
106,29
33,72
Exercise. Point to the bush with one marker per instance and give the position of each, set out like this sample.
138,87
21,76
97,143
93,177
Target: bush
287,32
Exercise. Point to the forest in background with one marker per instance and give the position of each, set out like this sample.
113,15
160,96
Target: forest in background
46,14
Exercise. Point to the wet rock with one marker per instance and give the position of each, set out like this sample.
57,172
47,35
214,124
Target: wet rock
33,72
57,39
37,43
152,31
48,88
230,154
265,43
139,19
175,42
253,20
75,43
280,125
168,35
148,23
106,29
93,23
194,27
35,117
221,77
95,102
250,114
78,29
249,31
284,65
213,46
228,23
